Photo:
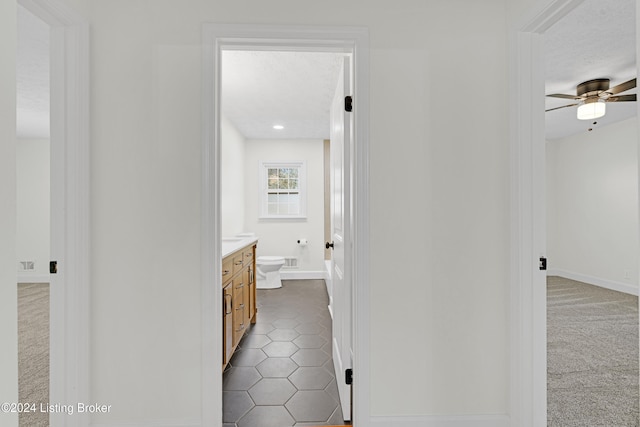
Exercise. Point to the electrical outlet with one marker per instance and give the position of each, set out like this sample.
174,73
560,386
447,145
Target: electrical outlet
627,274
26,266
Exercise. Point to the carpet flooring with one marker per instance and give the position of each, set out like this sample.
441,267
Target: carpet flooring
33,351
592,356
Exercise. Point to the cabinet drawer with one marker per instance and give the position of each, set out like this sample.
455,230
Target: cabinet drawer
248,257
227,270
237,262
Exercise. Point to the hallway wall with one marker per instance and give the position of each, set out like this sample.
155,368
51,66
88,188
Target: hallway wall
8,288
439,234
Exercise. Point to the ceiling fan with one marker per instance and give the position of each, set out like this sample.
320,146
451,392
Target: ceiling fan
593,95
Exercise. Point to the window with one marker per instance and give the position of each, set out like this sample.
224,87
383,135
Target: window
282,189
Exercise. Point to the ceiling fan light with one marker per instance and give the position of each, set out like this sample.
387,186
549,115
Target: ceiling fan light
591,110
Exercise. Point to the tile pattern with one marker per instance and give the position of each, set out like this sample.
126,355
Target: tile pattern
282,373
592,355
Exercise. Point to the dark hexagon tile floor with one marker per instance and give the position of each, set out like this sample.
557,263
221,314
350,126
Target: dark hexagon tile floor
282,373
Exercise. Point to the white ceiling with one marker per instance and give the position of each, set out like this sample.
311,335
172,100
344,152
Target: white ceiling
32,77
261,89
294,89
596,40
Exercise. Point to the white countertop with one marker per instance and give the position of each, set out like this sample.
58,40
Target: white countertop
232,244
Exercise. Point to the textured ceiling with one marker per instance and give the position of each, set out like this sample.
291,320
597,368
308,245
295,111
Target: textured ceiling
32,77
596,40
292,89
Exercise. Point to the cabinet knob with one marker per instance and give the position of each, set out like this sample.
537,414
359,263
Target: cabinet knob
328,245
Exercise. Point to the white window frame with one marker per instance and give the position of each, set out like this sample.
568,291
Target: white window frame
302,188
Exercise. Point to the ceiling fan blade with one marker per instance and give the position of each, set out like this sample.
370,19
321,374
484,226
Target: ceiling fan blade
561,95
564,106
622,87
622,98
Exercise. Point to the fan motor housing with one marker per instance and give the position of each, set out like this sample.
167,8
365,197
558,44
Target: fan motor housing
593,87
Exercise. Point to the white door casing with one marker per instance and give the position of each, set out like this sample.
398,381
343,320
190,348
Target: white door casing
528,388
340,155
70,207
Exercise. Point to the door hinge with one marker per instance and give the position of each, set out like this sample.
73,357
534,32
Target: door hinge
53,267
543,263
348,376
348,104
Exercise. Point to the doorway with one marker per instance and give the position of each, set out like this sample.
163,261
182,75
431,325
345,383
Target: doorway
33,219
220,37
69,301
529,345
592,222
275,118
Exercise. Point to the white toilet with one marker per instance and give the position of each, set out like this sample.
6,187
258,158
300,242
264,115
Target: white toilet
269,272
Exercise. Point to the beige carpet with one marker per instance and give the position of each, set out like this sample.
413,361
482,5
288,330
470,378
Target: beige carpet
33,351
592,355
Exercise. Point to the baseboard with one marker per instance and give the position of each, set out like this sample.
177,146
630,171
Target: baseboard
376,421
442,421
155,423
33,278
596,281
301,275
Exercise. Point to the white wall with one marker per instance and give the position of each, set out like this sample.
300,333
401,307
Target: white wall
145,225
232,183
439,234
8,288
593,205
280,236
33,193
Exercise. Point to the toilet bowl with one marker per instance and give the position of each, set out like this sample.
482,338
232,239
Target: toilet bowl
269,272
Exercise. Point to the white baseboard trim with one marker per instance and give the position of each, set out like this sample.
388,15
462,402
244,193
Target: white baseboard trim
33,278
301,275
596,281
442,421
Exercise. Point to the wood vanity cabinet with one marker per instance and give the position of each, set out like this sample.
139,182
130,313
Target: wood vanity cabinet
238,298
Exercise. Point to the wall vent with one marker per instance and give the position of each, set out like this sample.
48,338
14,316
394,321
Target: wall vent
26,266
290,263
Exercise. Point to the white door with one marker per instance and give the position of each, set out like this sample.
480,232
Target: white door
340,298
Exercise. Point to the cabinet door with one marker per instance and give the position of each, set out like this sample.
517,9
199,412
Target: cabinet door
246,274
227,323
238,308
252,294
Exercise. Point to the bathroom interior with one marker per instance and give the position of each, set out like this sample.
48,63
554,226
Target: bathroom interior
275,210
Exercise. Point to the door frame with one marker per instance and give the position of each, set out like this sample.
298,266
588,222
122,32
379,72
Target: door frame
70,206
215,38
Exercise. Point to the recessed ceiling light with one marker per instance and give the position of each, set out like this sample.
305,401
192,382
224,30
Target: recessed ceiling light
278,127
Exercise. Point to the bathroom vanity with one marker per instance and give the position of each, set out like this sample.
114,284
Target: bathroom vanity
238,292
